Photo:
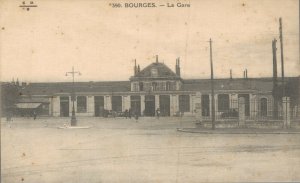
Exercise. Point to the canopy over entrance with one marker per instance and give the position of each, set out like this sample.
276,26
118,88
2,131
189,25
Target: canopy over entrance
28,105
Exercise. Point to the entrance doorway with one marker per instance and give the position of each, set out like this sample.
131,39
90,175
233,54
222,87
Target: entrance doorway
149,105
263,107
205,105
116,103
64,106
135,104
99,106
164,105
184,103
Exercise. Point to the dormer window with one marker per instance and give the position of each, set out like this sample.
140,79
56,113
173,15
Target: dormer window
154,72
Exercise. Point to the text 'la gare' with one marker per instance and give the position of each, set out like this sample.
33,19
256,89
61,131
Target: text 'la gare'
178,5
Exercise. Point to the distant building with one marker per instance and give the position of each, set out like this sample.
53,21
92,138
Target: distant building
155,86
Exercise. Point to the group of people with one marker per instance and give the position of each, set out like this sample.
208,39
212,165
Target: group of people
129,113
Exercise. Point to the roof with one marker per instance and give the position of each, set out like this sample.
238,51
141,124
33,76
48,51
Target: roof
67,87
203,85
260,84
163,71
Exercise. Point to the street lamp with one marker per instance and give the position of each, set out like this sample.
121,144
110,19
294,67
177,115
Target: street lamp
73,97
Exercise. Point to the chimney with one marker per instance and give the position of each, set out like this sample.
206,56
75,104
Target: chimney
138,69
230,74
178,66
156,58
135,68
246,74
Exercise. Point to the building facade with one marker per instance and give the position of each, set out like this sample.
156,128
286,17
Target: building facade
154,87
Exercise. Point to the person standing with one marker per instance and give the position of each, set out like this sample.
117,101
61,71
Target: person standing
126,114
129,113
9,118
34,115
157,113
136,115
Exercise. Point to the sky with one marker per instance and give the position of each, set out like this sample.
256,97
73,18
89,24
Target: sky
42,44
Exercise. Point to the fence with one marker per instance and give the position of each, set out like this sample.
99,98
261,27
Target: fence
262,110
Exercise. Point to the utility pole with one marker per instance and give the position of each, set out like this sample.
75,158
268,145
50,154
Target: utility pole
282,61
275,88
73,96
212,87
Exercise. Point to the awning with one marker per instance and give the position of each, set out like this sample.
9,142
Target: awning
28,105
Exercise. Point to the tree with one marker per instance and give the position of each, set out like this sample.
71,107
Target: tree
9,97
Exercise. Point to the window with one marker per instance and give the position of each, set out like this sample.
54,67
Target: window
154,86
168,86
81,104
223,102
141,86
135,87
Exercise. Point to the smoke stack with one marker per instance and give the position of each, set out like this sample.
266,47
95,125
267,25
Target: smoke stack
230,74
138,69
246,74
156,58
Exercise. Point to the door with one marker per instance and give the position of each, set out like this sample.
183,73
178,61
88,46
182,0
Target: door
263,107
205,105
64,106
117,103
149,105
164,105
135,104
99,105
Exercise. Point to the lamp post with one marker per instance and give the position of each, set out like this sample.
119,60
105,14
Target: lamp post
73,97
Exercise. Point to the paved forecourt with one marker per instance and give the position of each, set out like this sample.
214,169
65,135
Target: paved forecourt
150,150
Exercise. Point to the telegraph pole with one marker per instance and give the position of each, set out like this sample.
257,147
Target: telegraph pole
73,97
212,87
275,88
282,61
